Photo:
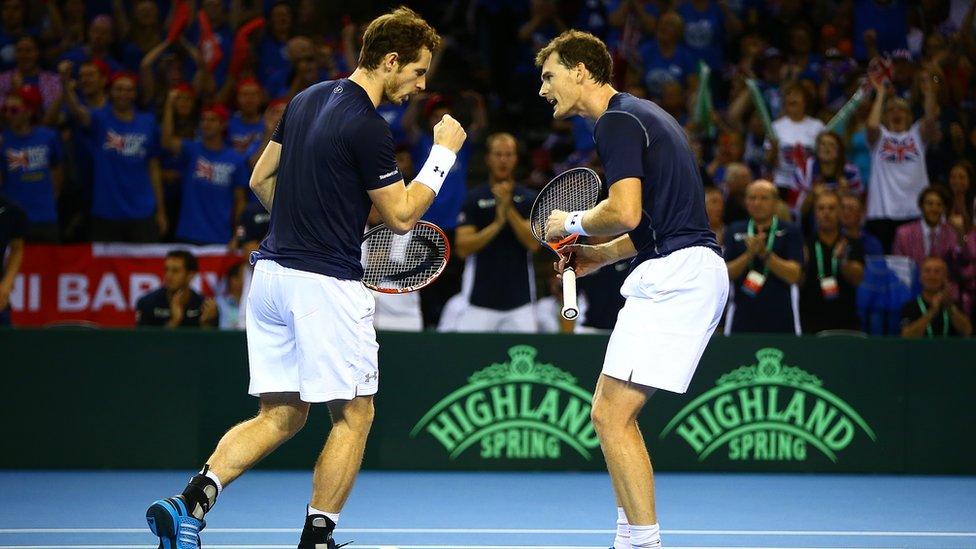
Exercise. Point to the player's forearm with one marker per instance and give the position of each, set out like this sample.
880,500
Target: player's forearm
608,220
620,248
789,271
416,201
264,189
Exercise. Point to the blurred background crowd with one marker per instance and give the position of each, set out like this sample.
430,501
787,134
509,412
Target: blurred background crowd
139,121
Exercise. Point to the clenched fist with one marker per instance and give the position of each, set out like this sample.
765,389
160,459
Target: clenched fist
449,133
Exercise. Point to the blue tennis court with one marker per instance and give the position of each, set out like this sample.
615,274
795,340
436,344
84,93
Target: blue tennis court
420,510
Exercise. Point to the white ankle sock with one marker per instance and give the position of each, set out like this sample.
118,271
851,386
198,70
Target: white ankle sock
622,539
645,537
334,517
210,474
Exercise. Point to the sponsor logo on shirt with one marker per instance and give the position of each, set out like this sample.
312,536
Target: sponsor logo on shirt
28,158
126,144
519,409
768,411
898,150
215,173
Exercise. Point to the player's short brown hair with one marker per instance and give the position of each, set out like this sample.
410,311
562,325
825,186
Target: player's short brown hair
402,31
576,47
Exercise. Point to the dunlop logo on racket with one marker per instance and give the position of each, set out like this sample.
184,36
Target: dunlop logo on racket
768,412
520,409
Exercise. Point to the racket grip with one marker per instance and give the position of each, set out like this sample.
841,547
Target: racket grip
570,308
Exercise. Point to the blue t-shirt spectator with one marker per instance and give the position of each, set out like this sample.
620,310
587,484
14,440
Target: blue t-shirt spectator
659,70
27,162
271,59
210,181
446,207
225,39
614,34
121,152
242,135
80,54
704,33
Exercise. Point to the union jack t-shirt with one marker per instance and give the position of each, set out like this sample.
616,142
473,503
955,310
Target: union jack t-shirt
898,174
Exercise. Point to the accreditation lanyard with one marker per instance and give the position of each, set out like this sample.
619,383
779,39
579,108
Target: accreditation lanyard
820,262
751,230
945,318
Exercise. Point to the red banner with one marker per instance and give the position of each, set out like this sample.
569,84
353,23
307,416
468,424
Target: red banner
99,284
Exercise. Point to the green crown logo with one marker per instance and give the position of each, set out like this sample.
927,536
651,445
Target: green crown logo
768,411
519,409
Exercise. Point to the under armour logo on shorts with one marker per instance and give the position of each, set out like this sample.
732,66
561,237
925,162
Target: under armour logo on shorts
371,377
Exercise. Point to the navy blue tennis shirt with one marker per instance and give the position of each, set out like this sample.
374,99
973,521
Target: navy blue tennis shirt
334,148
636,138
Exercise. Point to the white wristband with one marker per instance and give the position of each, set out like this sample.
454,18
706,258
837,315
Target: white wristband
574,223
438,165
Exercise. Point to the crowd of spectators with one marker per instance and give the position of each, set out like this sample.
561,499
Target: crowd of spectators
139,121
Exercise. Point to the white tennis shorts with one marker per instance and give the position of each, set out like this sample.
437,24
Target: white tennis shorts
673,305
311,334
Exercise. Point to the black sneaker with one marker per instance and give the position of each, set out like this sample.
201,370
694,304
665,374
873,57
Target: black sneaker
317,533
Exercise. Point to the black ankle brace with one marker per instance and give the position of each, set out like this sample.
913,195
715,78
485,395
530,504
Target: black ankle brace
200,494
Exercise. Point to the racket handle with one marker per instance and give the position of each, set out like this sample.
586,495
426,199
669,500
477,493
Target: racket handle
570,308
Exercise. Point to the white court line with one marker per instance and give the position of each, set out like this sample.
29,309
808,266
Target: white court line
515,531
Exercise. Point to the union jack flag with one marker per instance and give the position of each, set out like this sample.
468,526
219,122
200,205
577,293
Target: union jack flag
114,142
896,150
204,170
17,159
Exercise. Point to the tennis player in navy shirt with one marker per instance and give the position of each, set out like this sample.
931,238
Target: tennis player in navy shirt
215,177
678,283
310,334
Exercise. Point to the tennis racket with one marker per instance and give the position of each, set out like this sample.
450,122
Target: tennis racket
397,264
572,190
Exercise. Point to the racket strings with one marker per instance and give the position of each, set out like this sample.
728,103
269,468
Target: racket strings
400,262
576,189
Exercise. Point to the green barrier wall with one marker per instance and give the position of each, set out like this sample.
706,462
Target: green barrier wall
146,399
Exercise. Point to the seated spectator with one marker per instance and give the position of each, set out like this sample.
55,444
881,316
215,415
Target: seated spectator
13,227
929,236
933,313
27,72
796,134
715,208
834,269
31,160
765,260
898,172
230,302
963,262
246,126
728,150
13,24
828,168
493,233
175,304
127,202
251,230
852,222
215,178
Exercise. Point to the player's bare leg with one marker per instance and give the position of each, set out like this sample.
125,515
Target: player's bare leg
339,462
615,407
280,416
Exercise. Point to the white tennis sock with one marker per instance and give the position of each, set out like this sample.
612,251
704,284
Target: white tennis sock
210,474
622,539
645,537
334,517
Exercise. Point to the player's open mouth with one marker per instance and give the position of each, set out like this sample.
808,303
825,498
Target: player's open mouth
552,101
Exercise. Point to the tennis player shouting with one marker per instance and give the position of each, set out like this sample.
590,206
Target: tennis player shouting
678,283
309,319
